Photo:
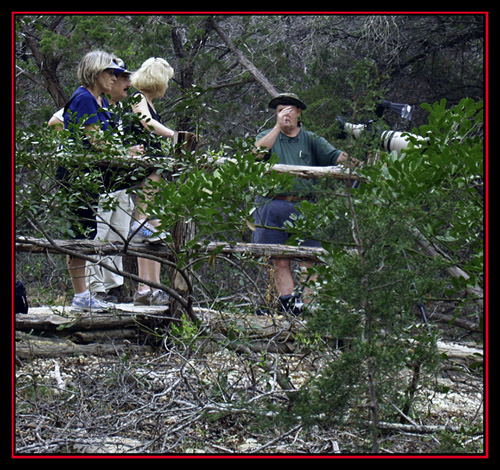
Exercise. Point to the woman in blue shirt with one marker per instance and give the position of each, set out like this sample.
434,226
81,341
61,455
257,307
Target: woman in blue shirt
88,107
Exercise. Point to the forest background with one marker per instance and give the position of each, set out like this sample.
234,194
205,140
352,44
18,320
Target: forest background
340,65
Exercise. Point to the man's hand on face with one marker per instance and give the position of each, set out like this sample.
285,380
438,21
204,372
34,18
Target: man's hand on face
284,117
287,118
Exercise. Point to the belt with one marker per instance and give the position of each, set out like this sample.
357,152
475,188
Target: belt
295,198
289,198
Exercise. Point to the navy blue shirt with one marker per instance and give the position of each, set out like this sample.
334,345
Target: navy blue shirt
83,108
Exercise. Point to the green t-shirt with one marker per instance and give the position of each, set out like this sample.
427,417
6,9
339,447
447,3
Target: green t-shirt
306,149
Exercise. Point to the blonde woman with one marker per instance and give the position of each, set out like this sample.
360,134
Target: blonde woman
88,107
151,82
97,73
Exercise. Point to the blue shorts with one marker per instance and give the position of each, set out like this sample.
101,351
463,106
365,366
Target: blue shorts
274,213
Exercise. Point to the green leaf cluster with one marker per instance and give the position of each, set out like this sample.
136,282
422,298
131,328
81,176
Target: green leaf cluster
218,194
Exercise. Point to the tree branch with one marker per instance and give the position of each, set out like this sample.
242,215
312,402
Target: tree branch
254,71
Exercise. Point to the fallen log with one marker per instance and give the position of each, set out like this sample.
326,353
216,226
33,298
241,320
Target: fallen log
102,248
60,331
460,351
55,331
427,429
30,346
257,333
458,322
101,336
64,318
454,271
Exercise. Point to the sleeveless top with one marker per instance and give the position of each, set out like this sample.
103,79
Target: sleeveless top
137,134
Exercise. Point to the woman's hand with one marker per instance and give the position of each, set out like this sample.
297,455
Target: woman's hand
136,150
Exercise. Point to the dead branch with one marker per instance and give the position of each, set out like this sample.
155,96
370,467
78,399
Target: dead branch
254,71
163,251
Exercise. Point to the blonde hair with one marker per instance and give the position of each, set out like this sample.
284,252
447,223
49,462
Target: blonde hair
153,76
91,65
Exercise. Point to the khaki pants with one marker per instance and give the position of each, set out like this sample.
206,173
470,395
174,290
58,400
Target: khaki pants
110,225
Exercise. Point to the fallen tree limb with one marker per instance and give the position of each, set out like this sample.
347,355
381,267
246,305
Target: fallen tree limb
30,346
460,351
63,318
424,429
260,333
459,322
58,331
454,271
96,247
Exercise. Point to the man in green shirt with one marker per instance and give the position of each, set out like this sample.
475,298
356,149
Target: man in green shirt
293,145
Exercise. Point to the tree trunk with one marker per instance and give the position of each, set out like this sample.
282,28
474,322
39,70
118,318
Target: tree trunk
181,281
48,69
183,232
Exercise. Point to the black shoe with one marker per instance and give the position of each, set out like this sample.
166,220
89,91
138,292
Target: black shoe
121,294
263,311
106,297
291,304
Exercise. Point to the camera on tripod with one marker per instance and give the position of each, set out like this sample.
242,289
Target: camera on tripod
390,140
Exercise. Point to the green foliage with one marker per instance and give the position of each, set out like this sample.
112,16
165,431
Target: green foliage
218,197
58,173
367,296
373,274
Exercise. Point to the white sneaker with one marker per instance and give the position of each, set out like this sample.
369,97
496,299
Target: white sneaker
160,297
89,302
145,232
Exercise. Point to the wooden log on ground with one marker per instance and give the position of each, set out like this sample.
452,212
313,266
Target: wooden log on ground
56,331
60,331
103,336
30,346
260,333
105,330
63,318
453,271
461,352
427,429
